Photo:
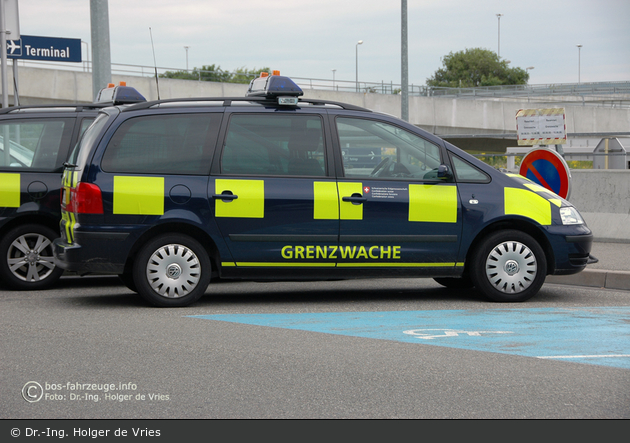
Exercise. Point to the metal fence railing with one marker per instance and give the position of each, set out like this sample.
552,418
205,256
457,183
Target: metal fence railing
608,93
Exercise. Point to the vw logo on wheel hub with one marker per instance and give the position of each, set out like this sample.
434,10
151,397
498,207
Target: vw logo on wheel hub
511,267
173,271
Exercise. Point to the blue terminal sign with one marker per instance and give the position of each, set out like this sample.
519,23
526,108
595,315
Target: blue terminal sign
52,49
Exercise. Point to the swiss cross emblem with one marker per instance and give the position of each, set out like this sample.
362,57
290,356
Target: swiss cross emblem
366,189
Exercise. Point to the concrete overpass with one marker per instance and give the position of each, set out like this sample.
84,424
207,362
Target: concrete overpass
488,122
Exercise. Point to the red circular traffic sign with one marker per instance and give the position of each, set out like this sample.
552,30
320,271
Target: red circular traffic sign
548,169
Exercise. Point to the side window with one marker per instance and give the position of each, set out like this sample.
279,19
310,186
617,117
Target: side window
273,144
34,144
160,144
85,123
465,172
372,148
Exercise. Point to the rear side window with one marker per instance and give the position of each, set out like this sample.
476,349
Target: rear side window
39,144
273,144
161,144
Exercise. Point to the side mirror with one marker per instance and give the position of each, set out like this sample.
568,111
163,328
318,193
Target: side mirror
444,172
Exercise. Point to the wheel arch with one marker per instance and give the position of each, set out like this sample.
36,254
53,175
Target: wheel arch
37,219
519,225
180,228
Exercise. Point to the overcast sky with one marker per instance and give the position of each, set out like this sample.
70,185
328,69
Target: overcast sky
311,38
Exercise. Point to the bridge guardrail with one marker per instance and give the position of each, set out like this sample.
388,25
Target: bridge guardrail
613,93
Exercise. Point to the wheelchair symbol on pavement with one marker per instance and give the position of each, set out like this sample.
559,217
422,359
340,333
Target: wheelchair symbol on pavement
429,334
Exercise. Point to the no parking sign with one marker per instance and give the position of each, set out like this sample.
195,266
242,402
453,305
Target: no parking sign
548,169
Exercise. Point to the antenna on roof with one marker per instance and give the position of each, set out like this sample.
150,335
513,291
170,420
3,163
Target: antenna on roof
157,84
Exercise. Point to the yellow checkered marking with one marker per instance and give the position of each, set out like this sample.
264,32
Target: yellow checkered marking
138,195
433,203
326,205
250,202
10,190
527,204
348,210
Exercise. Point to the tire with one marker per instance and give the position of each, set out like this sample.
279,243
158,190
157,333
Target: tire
455,283
508,266
127,280
26,258
172,270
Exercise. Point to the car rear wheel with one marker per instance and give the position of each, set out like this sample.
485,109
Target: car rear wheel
26,258
172,270
508,266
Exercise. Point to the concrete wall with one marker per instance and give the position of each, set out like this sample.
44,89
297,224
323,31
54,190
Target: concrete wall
603,199
443,116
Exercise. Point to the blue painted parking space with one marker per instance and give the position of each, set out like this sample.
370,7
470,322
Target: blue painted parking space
593,335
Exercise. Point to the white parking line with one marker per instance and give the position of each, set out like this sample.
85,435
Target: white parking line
585,356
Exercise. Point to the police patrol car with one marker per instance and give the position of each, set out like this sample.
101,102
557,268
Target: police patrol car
171,194
35,142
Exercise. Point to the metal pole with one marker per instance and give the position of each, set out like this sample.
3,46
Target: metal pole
360,42
102,64
404,102
3,56
186,48
16,95
579,62
499,42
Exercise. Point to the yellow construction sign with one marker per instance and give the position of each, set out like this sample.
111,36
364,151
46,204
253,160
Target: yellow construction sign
541,126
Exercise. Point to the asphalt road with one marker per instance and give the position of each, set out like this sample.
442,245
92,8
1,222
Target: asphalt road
367,349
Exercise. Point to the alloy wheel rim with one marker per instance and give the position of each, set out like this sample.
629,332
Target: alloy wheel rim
30,257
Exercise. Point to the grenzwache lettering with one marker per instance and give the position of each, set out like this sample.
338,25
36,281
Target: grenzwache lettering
309,252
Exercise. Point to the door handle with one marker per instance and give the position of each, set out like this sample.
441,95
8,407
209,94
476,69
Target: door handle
355,199
225,196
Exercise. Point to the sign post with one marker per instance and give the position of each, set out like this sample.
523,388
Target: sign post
9,25
542,165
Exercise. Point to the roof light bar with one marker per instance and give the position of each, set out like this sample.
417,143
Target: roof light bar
272,86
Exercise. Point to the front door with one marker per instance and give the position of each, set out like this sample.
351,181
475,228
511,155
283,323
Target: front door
395,212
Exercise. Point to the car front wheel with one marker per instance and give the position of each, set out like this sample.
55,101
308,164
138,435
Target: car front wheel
509,266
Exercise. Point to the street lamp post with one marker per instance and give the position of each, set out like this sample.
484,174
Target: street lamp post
527,70
186,48
360,42
334,78
579,62
499,38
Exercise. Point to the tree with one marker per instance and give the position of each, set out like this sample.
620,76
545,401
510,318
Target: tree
214,73
476,67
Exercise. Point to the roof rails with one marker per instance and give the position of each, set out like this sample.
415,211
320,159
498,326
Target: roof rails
235,101
76,107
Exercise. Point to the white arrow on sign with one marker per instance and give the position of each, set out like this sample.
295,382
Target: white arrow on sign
429,334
